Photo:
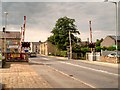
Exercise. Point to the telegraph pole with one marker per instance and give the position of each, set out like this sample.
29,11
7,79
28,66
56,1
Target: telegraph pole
70,45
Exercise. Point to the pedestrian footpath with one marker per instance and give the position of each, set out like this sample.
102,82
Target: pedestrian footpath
20,75
87,61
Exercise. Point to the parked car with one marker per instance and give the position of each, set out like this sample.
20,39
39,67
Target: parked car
33,54
113,55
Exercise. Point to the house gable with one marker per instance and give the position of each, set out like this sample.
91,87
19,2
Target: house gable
108,41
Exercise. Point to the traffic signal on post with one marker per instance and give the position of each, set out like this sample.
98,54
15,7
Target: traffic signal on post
3,29
91,45
25,44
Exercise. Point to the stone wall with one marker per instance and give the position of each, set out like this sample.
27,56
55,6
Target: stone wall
107,59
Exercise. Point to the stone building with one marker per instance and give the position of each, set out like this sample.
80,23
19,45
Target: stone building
35,47
110,41
47,48
10,41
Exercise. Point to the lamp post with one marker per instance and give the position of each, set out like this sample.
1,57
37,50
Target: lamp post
70,46
116,20
6,14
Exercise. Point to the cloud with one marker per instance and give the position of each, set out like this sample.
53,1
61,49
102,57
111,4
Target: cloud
36,35
53,0
42,16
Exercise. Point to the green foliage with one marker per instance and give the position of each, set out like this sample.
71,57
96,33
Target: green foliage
98,49
104,48
63,53
111,48
118,48
51,39
60,32
98,42
76,48
85,49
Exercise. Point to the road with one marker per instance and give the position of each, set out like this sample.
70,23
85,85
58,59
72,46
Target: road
93,75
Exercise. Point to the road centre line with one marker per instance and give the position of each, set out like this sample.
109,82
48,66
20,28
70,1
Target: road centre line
89,68
67,75
45,58
72,77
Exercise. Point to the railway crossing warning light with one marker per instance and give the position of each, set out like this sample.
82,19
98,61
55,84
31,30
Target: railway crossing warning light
91,45
26,44
3,29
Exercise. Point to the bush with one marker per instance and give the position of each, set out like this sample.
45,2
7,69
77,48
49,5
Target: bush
62,53
98,49
104,48
85,49
111,48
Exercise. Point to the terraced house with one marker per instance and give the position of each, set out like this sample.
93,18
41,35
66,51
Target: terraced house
11,40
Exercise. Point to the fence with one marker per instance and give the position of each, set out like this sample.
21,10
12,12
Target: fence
105,53
93,56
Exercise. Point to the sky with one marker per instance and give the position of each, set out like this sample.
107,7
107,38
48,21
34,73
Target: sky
42,16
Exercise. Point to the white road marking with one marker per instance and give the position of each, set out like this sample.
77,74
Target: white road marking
81,67
72,77
40,58
90,68
67,75
45,58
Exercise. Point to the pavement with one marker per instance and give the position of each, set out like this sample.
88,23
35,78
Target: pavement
20,75
87,61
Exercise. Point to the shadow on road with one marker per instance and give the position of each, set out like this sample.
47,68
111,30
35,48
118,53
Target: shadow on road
7,65
32,63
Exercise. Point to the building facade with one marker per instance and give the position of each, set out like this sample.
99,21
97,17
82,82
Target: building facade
35,47
10,41
110,41
47,48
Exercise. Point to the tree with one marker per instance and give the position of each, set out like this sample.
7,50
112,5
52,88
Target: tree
98,42
60,33
98,47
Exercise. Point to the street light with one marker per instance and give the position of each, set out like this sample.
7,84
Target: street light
6,14
70,46
116,5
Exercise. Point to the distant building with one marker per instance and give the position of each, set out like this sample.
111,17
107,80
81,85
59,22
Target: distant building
35,47
84,43
110,41
47,48
12,41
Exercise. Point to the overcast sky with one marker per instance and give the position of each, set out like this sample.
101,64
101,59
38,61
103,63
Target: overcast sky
42,16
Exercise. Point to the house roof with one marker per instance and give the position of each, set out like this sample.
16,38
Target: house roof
10,34
114,37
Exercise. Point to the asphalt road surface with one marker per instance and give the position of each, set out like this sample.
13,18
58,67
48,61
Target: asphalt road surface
93,75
